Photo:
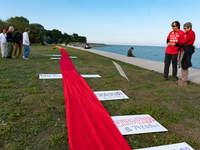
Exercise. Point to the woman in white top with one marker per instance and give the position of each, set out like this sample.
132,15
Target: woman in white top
3,42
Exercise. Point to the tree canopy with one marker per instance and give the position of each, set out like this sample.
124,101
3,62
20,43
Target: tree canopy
38,33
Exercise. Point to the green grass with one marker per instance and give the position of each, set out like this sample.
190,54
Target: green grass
32,111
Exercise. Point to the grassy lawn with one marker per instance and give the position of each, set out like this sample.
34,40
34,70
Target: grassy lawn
32,111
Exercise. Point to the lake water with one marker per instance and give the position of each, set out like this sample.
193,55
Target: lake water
147,52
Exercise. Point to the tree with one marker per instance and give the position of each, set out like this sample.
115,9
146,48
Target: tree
67,41
60,40
38,33
21,19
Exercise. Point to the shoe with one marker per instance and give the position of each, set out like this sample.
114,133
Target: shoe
25,58
177,82
182,83
19,56
8,57
165,78
174,78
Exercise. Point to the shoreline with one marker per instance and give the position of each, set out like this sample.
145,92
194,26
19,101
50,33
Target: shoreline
83,45
194,74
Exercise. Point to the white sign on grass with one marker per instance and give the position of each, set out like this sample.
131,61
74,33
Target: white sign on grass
50,76
51,55
55,58
178,146
60,58
90,76
110,95
72,57
59,76
119,68
137,124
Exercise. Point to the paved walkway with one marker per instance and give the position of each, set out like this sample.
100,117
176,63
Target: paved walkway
194,74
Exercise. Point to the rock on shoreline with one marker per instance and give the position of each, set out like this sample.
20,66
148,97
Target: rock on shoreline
90,44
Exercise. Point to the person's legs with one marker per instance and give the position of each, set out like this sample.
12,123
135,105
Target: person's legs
2,52
3,49
9,49
167,64
15,51
20,49
174,66
184,75
27,51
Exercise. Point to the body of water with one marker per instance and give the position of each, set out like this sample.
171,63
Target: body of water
147,52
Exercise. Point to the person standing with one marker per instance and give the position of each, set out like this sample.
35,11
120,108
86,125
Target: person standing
10,41
171,52
129,54
3,41
187,49
26,43
18,43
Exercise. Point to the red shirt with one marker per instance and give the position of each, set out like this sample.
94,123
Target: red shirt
174,37
188,39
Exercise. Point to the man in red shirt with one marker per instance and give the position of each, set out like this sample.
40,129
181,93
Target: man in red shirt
187,49
171,52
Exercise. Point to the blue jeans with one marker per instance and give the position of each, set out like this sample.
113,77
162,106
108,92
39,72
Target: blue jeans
27,50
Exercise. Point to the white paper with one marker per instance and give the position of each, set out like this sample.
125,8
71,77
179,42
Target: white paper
119,68
137,124
50,76
59,76
110,95
90,76
60,57
51,55
55,58
72,57
178,146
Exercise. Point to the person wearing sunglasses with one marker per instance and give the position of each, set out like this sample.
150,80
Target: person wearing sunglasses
171,52
187,49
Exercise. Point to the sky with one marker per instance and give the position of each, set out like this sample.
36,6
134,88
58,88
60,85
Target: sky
121,22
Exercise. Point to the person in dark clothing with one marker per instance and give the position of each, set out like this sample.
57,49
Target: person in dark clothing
18,43
87,46
187,49
10,41
130,52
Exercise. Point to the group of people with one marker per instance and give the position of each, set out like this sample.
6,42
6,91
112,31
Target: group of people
8,42
179,47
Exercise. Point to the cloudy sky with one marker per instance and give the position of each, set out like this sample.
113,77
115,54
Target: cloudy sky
122,22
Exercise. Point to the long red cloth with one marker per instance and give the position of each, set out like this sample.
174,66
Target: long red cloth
89,125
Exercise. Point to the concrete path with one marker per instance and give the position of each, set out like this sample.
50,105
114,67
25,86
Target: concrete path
194,74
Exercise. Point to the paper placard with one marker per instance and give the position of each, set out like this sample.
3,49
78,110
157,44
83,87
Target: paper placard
178,146
137,124
59,76
119,68
51,55
90,76
50,76
55,58
60,57
110,95
72,57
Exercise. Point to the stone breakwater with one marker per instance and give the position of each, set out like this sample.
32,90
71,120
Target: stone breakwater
91,45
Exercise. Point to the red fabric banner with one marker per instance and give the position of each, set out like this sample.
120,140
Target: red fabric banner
89,125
